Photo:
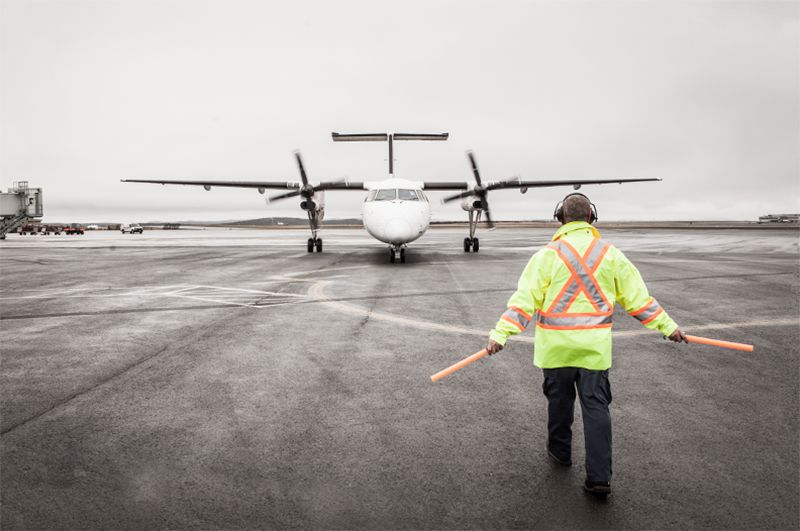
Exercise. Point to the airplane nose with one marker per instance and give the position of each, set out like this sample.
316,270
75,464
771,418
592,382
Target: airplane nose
398,230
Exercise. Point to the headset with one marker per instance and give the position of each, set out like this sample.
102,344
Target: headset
558,213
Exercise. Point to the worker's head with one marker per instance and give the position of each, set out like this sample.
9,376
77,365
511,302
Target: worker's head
575,207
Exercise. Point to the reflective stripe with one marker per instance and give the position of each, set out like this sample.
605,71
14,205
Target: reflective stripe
566,297
574,321
517,317
581,278
595,255
648,312
522,312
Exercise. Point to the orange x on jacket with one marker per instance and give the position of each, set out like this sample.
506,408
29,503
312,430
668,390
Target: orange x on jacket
569,289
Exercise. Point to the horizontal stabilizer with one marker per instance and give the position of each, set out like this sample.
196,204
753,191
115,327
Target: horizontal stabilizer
360,137
421,136
387,137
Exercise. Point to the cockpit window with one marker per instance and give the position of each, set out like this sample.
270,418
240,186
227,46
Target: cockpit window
371,195
386,195
407,195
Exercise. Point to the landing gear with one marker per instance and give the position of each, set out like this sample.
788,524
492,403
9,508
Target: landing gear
471,242
394,252
313,243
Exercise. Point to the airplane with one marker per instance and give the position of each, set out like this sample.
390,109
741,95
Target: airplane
395,211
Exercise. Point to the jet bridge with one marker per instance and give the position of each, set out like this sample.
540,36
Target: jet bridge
18,206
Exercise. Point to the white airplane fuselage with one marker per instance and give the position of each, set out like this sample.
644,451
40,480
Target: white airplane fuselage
396,211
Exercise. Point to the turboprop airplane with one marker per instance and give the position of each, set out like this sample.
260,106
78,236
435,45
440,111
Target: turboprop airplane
395,211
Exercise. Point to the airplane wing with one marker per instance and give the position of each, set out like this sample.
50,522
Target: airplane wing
340,185
260,185
429,185
519,183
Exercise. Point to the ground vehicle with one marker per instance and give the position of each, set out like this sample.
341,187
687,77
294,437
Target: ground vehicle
73,229
32,229
133,228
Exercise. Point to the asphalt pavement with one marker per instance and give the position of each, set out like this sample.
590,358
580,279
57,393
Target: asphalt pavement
229,379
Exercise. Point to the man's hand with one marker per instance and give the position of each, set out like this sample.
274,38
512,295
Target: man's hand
493,347
677,336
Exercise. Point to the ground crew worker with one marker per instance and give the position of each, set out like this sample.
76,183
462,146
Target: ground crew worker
569,288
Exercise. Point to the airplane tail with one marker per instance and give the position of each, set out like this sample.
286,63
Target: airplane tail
390,137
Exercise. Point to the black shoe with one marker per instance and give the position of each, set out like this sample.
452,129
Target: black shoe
598,489
556,459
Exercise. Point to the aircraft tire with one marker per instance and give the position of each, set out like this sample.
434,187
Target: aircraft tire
467,244
402,256
310,245
319,245
391,256
475,245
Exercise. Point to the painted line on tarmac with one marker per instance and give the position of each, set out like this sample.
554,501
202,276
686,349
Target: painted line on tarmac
317,292
68,294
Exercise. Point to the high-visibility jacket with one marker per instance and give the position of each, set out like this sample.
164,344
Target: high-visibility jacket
568,291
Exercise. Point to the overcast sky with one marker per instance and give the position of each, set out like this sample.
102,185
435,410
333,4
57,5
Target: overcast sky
704,95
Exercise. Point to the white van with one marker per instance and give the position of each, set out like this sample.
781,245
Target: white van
133,228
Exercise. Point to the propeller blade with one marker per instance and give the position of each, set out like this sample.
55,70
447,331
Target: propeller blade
474,165
488,217
284,195
302,169
457,196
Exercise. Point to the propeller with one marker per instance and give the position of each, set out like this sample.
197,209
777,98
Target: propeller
306,190
479,190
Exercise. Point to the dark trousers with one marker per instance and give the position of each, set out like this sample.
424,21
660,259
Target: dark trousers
594,392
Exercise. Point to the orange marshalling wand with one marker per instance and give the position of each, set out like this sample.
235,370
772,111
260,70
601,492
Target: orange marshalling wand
718,343
460,365
692,339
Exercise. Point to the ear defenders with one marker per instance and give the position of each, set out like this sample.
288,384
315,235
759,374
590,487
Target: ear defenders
558,213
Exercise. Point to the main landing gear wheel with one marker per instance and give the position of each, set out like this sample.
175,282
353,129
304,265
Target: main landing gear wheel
471,243
391,256
402,256
314,243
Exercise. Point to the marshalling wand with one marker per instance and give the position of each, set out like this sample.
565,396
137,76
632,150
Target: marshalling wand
692,339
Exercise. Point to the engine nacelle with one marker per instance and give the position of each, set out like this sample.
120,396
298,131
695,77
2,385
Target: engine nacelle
472,203
316,203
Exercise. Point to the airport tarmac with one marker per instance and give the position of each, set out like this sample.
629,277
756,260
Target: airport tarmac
223,379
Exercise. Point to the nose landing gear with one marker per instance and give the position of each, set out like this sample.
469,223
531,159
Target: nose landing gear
395,252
